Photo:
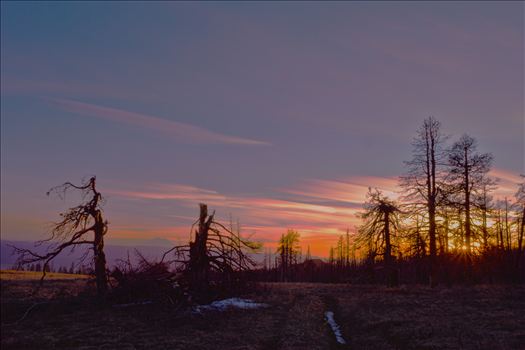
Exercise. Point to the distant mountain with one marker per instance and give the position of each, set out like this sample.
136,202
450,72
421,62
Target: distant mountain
318,263
137,242
113,252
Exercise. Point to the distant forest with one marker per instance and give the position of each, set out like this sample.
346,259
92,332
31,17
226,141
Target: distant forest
445,228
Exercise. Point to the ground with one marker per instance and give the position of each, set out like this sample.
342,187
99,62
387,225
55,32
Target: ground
371,317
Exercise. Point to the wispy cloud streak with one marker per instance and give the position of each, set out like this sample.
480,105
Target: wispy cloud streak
351,190
507,183
260,211
170,191
321,210
181,131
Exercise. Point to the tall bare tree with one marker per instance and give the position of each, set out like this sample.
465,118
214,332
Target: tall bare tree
73,230
482,201
423,179
520,206
467,173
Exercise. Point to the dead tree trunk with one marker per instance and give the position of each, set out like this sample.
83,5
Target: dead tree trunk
199,264
214,255
100,229
389,264
521,229
72,231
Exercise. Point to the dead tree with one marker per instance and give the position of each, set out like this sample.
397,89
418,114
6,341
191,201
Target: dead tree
381,218
73,231
424,178
520,206
199,263
467,174
288,250
483,202
215,249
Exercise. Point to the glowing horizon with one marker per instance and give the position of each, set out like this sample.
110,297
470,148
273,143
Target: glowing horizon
264,219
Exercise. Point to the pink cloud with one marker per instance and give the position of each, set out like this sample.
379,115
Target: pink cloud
507,185
352,190
506,176
172,233
170,191
181,131
325,210
253,210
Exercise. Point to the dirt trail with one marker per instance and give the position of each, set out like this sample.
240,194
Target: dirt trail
370,317
306,328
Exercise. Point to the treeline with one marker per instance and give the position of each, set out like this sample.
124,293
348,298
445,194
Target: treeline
445,227
38,267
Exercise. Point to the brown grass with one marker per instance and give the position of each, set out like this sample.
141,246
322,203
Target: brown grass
10,275
371,317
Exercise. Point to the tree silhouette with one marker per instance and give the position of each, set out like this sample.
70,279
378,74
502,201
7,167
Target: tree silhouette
483,202
73,230
424,177
380,217
467,174
520,205
288,250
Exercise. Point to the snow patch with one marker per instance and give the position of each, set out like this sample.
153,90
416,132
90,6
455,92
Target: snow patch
335,327
237,303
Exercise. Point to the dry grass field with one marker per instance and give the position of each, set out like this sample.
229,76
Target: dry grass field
65,316
10,275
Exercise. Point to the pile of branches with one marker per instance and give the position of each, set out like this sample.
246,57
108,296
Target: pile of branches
146,282
212,264
216,257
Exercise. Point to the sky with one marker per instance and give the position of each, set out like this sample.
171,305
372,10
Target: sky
279,115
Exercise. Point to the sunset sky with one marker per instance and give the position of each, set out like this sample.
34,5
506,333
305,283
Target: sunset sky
279,114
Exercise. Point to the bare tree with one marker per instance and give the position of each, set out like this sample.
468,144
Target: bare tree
414,236
288,250
73,230
347,248
520,205
424,178
482,202
381,217
467,174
